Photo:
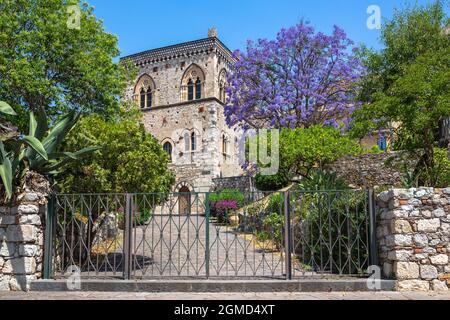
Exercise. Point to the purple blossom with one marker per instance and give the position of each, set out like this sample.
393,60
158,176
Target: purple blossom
301,78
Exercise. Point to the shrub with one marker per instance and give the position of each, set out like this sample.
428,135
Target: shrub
437,176
227,194
272,182
323,180
222,208
273,225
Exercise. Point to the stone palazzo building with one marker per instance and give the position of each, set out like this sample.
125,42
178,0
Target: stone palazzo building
181,92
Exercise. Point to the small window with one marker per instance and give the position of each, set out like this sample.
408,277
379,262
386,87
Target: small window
190,90
142,99
382,143
198,89
149,98
168,148
193,142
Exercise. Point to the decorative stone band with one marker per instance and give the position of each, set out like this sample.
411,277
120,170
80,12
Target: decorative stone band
413,232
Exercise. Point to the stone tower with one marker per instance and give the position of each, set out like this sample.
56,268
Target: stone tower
181,92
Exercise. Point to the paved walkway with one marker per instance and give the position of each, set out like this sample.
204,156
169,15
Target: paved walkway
175,246
224,296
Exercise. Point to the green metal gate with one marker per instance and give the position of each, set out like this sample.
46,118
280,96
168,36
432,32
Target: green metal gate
280,235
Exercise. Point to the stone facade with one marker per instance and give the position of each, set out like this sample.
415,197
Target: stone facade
372,169
189,124
413,234
21,241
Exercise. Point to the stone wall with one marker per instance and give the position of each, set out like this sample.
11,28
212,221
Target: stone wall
245,184
414,237
372,169
21,241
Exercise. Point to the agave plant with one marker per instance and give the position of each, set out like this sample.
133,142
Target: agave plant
37,151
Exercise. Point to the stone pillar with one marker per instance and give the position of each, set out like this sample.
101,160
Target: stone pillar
21,241
413,234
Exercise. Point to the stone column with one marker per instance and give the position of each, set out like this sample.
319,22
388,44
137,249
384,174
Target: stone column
21,241
414,237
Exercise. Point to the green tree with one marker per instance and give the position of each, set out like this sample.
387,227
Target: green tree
130,160
303,150
407,84
46,65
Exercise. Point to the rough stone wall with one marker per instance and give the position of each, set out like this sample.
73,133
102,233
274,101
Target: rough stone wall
244,183
413,234
372,169
21,241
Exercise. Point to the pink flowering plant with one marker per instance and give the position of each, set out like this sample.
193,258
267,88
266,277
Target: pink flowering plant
222,209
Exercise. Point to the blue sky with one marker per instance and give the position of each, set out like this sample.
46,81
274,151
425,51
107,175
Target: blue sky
145,24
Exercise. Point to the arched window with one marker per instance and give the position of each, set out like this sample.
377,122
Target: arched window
168,148
190,87
193,142
142,98
192,83
198,89
145,89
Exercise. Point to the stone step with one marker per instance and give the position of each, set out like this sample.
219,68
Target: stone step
310,285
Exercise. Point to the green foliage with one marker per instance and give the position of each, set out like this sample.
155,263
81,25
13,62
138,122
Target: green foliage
227,194
323,180
130,160
439,174
301,150
407,85
276,203
272,182
305,149
44,65
273,226
338,218
36,151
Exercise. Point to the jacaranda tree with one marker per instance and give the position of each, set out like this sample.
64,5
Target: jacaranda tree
300,79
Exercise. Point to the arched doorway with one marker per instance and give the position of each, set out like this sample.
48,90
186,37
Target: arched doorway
184,201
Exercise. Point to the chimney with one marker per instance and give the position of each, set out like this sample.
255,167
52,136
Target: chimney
212,33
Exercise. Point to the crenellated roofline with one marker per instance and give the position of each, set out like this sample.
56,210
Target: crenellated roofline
187,49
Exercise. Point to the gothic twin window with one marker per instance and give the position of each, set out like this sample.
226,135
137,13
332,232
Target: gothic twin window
192,84
144,91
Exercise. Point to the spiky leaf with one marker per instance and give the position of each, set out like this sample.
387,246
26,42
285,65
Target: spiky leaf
6,109
6,175
36,145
